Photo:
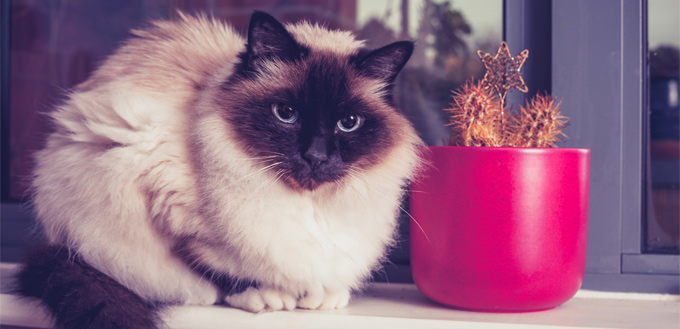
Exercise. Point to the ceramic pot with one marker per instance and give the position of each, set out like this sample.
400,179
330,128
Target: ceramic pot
500,229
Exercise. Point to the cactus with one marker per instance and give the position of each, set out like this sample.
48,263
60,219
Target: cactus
475,117
480,117
538,124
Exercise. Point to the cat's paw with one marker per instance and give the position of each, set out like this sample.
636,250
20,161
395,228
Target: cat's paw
325,301
264,299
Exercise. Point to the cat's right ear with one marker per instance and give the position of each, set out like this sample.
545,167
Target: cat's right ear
269,39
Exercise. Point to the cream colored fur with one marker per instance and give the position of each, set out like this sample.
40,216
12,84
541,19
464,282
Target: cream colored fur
142,160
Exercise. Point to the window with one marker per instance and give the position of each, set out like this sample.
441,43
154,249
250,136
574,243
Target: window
590,54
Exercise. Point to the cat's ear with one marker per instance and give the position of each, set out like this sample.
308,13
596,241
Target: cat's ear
386,62
268,39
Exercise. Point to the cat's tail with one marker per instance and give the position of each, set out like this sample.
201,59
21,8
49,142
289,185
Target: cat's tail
78,296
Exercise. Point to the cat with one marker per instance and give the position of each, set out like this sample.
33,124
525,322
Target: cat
196,167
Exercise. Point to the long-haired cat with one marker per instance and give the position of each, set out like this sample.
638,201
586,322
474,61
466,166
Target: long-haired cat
195,167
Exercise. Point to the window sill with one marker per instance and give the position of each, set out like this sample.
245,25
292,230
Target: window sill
399,306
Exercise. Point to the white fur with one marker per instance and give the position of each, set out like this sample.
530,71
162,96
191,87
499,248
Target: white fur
120,183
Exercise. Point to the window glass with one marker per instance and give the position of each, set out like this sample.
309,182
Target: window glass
447,35
663,193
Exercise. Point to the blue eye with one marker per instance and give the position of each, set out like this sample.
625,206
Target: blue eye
284,113
350,123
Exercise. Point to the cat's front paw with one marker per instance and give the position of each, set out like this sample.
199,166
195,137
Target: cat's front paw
264,299
325,301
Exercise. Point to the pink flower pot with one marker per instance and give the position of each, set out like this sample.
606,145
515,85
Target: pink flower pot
500,229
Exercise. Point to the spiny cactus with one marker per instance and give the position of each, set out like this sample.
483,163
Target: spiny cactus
538,124
475,117
480,117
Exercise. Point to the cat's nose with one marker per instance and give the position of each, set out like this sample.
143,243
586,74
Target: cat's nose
317,153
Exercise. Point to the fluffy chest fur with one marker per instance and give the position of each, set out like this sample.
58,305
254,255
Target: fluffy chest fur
279,163
332,237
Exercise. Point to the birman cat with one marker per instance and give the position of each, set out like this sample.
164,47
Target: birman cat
196,167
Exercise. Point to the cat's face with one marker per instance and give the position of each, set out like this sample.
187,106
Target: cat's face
312,116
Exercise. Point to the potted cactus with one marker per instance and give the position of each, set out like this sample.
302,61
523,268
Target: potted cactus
500,214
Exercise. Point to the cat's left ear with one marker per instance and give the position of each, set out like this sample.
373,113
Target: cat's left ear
386,62
268,39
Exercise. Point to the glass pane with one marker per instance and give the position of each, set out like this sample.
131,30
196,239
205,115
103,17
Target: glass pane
663,192
448,35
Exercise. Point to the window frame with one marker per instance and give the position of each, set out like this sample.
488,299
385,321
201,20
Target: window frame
599,72
4,96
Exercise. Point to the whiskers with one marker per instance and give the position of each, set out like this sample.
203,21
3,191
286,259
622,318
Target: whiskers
355,171
258,172
264,162
272,155
364,179
266,172
269,183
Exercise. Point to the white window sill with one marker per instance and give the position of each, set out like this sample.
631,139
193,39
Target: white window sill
400,306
